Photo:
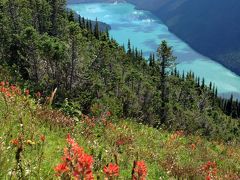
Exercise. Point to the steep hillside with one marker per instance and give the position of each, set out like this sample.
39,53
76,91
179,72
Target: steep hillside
90,70
34,136
144,120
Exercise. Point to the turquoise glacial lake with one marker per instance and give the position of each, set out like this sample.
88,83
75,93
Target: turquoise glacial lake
147,31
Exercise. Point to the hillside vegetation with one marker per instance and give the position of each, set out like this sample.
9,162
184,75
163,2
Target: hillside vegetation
34,136
138,110
47,49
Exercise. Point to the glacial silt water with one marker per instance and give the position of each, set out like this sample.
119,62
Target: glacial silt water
147,31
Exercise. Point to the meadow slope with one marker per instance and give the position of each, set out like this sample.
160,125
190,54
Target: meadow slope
34,135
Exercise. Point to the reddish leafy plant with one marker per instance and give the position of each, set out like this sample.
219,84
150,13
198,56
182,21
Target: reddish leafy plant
139,171
75,162
111,171
210,169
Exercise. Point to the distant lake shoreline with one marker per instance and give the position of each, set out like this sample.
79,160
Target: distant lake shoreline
146,31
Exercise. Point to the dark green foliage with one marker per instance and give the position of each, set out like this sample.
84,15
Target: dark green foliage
96,29
71,17
51,49
57,17
129,50
166,61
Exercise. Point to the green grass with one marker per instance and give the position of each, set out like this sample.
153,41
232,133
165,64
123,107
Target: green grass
167,155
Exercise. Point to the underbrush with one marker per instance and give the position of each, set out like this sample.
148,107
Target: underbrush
37,142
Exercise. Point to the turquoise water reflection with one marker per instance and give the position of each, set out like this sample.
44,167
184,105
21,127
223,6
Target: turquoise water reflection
146,32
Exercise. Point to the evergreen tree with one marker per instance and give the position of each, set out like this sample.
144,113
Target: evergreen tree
74,40
183,76
87,25
175,71
107,32
40,15
83,23
210,86
90,27
216,93
5,29
229,105
129,50
30,39
58,15
150,59
198,82
166,60
96,30
80,21
203,83
71,16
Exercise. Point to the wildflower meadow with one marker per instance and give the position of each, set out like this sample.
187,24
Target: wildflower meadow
39,142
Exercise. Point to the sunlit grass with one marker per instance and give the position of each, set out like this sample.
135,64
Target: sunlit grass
167,155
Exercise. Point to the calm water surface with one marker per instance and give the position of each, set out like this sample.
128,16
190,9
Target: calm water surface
146,31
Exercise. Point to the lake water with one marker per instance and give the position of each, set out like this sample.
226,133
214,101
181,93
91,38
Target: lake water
147,31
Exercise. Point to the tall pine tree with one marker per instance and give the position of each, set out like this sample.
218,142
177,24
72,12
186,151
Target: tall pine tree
166,61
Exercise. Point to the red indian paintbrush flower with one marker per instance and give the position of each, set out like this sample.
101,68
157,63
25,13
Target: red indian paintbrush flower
42,138
8,94
3,90
13,87
139,171
38,94
76,163
210,168
112,170
193,146
208,177
108,113
27,92
2,83
61,168
15,142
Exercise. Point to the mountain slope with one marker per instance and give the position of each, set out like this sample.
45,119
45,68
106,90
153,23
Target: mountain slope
34,136
77,69
90,70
